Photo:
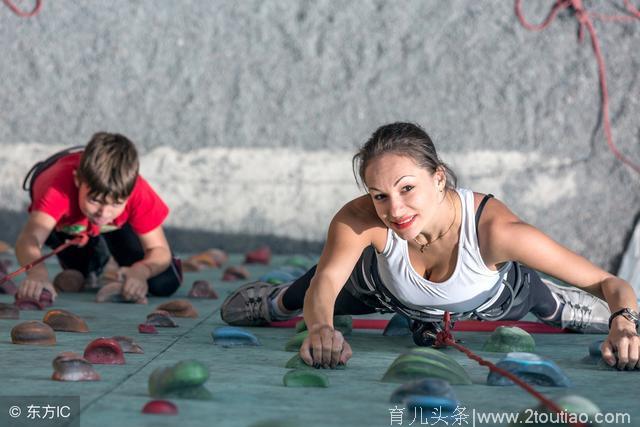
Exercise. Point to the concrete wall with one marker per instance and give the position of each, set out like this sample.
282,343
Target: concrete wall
247,113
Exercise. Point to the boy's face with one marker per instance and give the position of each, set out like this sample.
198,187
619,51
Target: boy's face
99,212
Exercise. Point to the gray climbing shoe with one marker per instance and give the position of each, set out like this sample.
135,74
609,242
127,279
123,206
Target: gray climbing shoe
249,304
582,312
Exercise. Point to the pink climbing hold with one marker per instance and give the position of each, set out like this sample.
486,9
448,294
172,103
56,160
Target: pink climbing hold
145,328
160,407
104,351
262,255
45,300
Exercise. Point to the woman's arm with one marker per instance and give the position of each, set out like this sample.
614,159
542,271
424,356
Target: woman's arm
507,238
349,234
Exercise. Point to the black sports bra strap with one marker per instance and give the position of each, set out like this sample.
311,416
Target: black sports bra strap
484,201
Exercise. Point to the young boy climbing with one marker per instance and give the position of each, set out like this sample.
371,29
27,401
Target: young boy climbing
97,190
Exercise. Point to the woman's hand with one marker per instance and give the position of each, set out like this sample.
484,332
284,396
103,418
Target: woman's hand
325,347
622,346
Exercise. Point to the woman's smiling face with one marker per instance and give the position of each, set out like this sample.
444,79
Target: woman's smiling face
405,195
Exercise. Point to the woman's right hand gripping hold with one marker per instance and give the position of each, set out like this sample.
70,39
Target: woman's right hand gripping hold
350,232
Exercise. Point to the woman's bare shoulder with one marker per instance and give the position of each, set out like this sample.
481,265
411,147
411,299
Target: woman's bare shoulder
361,216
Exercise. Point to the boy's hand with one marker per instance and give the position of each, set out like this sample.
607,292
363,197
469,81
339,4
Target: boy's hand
32,287
135,282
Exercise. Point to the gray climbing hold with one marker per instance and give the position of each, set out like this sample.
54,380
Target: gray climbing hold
397,326
531,368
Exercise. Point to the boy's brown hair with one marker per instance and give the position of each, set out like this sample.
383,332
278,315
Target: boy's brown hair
109,166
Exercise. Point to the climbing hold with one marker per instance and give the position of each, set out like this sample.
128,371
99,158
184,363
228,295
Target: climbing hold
43,302
595,356
161,319
296,341
69,281
235,273
296,362
397,326
342,323
63,320
300,261
277,277
179,308
128,345
230,336
211,258
531,368
262,255
9,311
145,328
583,409
160,407
202,289
423,363
185,379
112,292
434,387
305,378
104,351
7,287
33,333
509,339
439,406
69,366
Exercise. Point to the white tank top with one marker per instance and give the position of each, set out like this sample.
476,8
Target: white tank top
471,286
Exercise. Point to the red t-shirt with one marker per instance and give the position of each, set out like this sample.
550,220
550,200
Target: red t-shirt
55,193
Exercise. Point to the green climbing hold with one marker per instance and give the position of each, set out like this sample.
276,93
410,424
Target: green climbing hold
296,341
509,339
185,379
300,261
296,362
423,363
342,323
305,378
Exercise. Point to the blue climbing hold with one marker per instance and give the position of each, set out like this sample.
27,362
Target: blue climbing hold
531,368
434,387
397,326
439,406
230,336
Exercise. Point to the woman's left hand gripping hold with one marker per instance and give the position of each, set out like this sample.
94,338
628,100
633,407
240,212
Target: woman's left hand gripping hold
325,347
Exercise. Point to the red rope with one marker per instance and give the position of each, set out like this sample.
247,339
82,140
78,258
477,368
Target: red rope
22,13
585,20
80,240
445,338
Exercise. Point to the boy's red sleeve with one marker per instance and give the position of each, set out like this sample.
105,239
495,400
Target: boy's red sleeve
147,211
50,199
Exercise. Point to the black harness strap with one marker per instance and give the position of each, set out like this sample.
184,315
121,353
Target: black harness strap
41,166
